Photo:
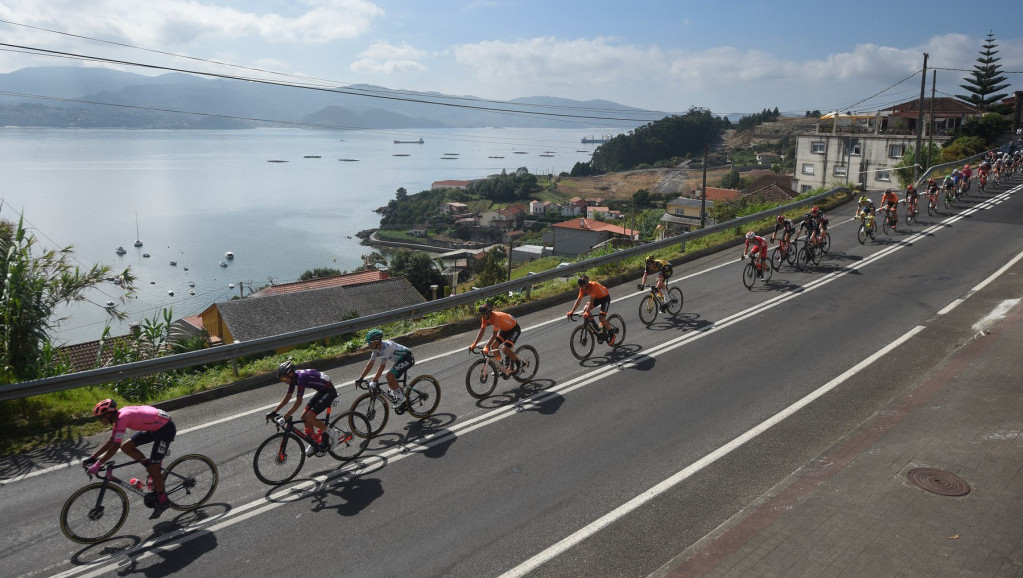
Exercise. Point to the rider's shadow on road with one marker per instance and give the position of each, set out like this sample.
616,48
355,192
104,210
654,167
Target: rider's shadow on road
173,560
67,451
682,321
349,496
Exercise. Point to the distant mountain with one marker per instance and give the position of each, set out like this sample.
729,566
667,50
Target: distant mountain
164,101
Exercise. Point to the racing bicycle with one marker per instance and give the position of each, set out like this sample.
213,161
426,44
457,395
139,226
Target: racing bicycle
655,302
750,273
482,376
96,511
585,337
867,228
280,457
422,397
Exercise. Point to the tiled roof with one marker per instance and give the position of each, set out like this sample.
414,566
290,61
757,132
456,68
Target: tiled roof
322,282
592,225
249,318
83,356
944,107
718,194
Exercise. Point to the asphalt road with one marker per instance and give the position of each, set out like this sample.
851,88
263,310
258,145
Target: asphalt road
608,467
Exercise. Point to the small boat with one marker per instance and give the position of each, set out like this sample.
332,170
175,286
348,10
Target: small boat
170,292
420,141
495,157
400,155
190,292
230,285
152,282
110,304
120,251
138,242
276,161
520,152
311,157
223,263
546,155
451,154
146,255
174,263
229,255
186,268
349,160
449,158
191,283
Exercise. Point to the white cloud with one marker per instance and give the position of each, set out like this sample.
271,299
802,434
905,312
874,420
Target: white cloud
383,58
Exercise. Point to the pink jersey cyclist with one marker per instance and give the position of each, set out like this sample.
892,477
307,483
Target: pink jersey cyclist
145,420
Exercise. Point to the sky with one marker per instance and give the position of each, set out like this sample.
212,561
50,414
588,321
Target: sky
670,55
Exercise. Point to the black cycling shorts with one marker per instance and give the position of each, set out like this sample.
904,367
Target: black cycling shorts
603,303
161,437
321,400
510,336
402,365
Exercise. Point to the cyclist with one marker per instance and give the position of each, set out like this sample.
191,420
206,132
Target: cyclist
822,223
967,173
912,196
785,226
150,425
319,382
506,332
810,226
890,202
932,191
664,271
386,349
756,245
599,297
864,208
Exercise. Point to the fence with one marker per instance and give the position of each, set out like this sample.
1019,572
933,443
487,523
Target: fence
265,344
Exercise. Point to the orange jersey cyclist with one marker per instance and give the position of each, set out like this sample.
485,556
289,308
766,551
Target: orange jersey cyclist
599,297
506,332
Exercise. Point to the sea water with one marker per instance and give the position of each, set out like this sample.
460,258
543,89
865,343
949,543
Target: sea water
192,196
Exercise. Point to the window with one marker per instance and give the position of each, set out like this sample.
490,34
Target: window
804,188
840,171
855,150
884,175
817,148
895,151
807,168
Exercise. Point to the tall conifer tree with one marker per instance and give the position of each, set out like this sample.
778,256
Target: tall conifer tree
986,78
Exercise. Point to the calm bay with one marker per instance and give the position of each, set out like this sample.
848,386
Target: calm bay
194,195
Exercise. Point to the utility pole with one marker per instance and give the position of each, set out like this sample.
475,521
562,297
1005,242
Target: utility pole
919,121
703,191
930,119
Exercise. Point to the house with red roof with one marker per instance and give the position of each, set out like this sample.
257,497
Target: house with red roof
577,236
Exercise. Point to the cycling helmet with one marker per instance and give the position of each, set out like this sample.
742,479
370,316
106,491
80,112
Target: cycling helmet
651,257
909,187
814,210
930,181
104,407
583,280
284,369
374,335
486,309
966,166
864,199
750,235
780,219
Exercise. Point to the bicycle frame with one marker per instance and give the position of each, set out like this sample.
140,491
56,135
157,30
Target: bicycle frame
108,477
300,433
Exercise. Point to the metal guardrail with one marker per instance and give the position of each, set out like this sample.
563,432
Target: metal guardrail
237,349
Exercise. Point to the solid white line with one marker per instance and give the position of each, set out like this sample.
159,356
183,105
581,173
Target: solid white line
619,512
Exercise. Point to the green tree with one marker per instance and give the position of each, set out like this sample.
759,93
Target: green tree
641,198
730,180
494,270
374,259
319,273
401,194
986,79
419,269
33,286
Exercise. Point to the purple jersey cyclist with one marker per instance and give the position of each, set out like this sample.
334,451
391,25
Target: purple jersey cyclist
298,381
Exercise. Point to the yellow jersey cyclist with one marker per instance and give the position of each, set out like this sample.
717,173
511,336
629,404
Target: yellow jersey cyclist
664,271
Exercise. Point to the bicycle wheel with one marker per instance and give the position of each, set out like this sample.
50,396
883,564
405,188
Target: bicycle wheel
278,458
616,321
804,259
422,396
349,446
861,234
675,300
478,386
768,271
777,258
648,308
815,254
530,358
94,513
948,201
190,481
749,275
825,243
790,255
581,343
373,406
931,209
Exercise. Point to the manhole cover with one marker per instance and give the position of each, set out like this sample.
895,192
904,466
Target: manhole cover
939,481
